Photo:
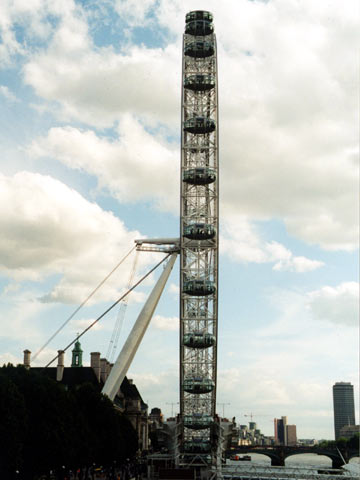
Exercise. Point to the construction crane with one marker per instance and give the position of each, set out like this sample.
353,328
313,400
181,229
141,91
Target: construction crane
121,315
251,415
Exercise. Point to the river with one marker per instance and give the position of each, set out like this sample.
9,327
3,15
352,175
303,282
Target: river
303,459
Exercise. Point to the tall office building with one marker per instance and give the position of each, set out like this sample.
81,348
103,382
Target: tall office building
291,435
284,434
344,409
280,430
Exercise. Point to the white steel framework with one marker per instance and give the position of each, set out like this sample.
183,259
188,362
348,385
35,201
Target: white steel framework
199,220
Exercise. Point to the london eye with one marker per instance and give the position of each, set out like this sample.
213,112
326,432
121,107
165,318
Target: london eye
199,220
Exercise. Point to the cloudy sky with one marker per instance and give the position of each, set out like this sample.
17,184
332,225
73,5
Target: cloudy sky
89,132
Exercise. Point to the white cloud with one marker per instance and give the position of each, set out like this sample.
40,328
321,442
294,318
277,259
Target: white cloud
133,11
174,290
35,17
338,305
166,323
241,241
23,310
137,166
121,83
301,166
80,324
303,264
50,229
7,93
286,261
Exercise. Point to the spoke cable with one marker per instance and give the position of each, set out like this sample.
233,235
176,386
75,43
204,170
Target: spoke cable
83,303
110,308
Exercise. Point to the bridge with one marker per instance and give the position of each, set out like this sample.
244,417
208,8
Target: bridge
278,454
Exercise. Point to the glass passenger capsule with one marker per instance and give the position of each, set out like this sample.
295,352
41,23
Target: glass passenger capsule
199,231
198,15
199,82
199,176
199,27
199,125
197,446
198,421
198,385
199,288
199,340
199,49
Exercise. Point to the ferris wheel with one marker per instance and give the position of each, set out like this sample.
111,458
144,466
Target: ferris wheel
199,220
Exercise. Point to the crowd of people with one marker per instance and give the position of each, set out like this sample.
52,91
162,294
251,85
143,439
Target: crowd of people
130,470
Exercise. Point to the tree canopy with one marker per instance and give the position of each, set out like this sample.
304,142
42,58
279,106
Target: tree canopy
45,426
353,442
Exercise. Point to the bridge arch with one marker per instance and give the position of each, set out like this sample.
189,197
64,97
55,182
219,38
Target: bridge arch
333,455
278,454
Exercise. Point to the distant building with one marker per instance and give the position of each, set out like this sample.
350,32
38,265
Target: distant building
344,408
163,433
307,442
269,440
128,399
158,431
252,426
156,417
230,433
284,434
280,432
291,435
248,435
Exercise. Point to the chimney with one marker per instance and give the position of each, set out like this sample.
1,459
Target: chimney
95,364
27,355
130,380
103,369
60,366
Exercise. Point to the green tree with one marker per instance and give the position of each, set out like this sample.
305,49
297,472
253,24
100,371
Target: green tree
110,435
45,426
13,427
48,436
354,442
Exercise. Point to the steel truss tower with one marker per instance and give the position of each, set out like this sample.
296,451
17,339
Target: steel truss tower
199,238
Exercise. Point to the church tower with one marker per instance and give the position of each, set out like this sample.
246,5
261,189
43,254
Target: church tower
77,355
